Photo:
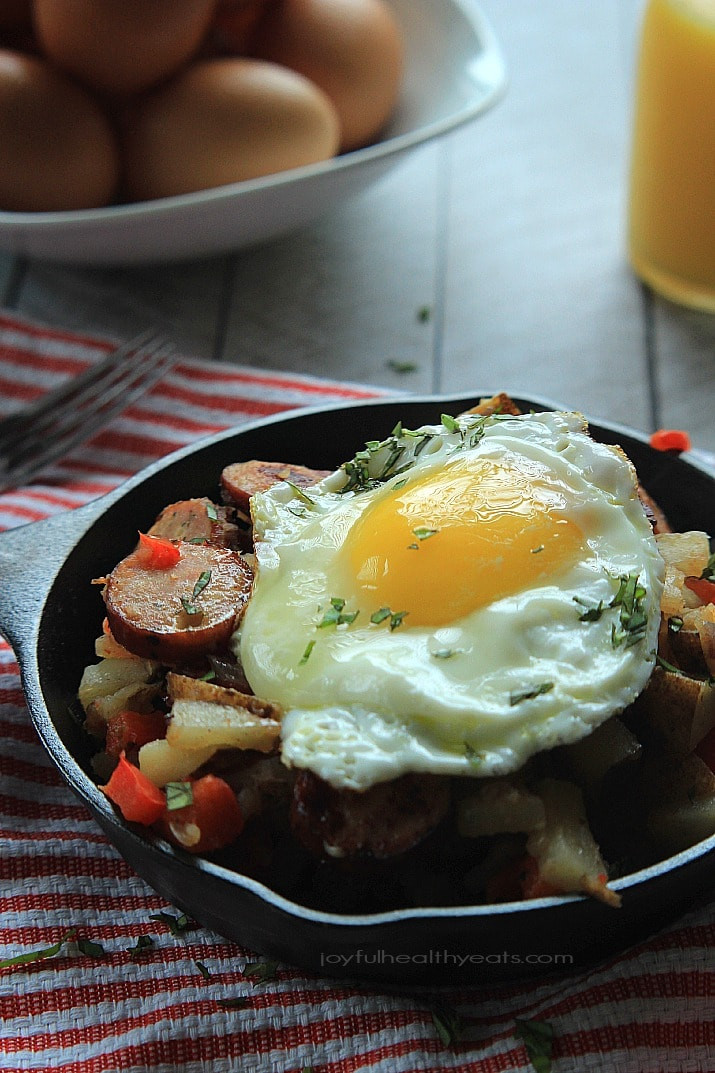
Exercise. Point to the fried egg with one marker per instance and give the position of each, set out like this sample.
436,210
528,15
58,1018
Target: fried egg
453,599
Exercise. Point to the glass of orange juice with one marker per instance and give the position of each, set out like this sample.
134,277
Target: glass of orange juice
671,216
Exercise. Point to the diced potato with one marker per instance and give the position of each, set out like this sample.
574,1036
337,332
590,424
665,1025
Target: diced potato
568,856
682,791
138,697
499,806
107,648
110,675
607,745
677,825
197,724
687,552
182,687
678,708
162,762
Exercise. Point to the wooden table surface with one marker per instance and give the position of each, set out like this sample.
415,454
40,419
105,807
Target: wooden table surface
492,258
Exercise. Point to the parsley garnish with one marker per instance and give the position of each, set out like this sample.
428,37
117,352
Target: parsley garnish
423,533
232,1003
592,613
188,603
423,314
385,613
633,619
337,616
708,573
538,1038
675,623
402,366
90,948
261,972
475,758
211,512
38,955
516,697
176,925
143,943
300,493
448,1024
306,654
178,795
203,969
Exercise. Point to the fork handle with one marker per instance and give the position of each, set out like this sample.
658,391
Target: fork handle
30,558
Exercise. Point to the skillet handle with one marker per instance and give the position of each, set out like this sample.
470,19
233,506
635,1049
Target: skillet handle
30,557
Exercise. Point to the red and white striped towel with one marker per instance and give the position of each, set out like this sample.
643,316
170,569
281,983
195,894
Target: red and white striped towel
169,1009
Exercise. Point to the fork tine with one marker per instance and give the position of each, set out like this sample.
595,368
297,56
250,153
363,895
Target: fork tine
79,423
64,400
91,400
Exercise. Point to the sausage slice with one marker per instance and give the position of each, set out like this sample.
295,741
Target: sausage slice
177,614
196,520
383,821
241,480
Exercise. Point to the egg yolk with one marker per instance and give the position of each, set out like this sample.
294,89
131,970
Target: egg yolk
452,541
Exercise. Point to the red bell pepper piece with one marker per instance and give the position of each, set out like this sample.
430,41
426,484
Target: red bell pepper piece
136,797
212,820
157,553
127,730
703,588
670,439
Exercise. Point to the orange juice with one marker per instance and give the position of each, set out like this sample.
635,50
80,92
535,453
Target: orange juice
671,228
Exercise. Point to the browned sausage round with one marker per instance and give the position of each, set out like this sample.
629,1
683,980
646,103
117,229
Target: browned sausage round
145,609
196,520
241,480
389,818
654,514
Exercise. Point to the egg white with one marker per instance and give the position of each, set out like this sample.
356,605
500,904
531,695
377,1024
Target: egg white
477,696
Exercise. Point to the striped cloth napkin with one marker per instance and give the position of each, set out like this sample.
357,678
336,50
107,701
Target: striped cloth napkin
128,984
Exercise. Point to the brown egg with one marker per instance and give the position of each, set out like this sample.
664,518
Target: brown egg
56,146
234,22
222,121
352,49
121,46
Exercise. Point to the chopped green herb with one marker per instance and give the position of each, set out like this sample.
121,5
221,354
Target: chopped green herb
208,676
450,423
306,653
668,666
300,493
592,613
633,619
528,694
396,619
402,366
261,972
232,1003
203,969
143,943
90,948
211,512
38,955
337,616
176,924
189,605
178,795
423,533
424,313
475,758
675,623
448,1024
413,547
538,1038
379,616
535,551
197,540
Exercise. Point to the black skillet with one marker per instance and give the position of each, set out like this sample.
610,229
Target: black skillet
51,615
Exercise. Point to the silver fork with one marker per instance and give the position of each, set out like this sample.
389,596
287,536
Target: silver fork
72,413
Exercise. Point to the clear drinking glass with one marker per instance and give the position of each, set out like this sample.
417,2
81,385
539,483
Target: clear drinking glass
671,217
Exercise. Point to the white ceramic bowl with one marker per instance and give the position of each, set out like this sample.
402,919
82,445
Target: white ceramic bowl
454,72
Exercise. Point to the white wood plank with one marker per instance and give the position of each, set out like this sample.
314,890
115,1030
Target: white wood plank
538,293
343,298
684,344
183,300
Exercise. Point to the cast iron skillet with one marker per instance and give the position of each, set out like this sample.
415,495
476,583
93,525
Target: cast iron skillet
51,615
